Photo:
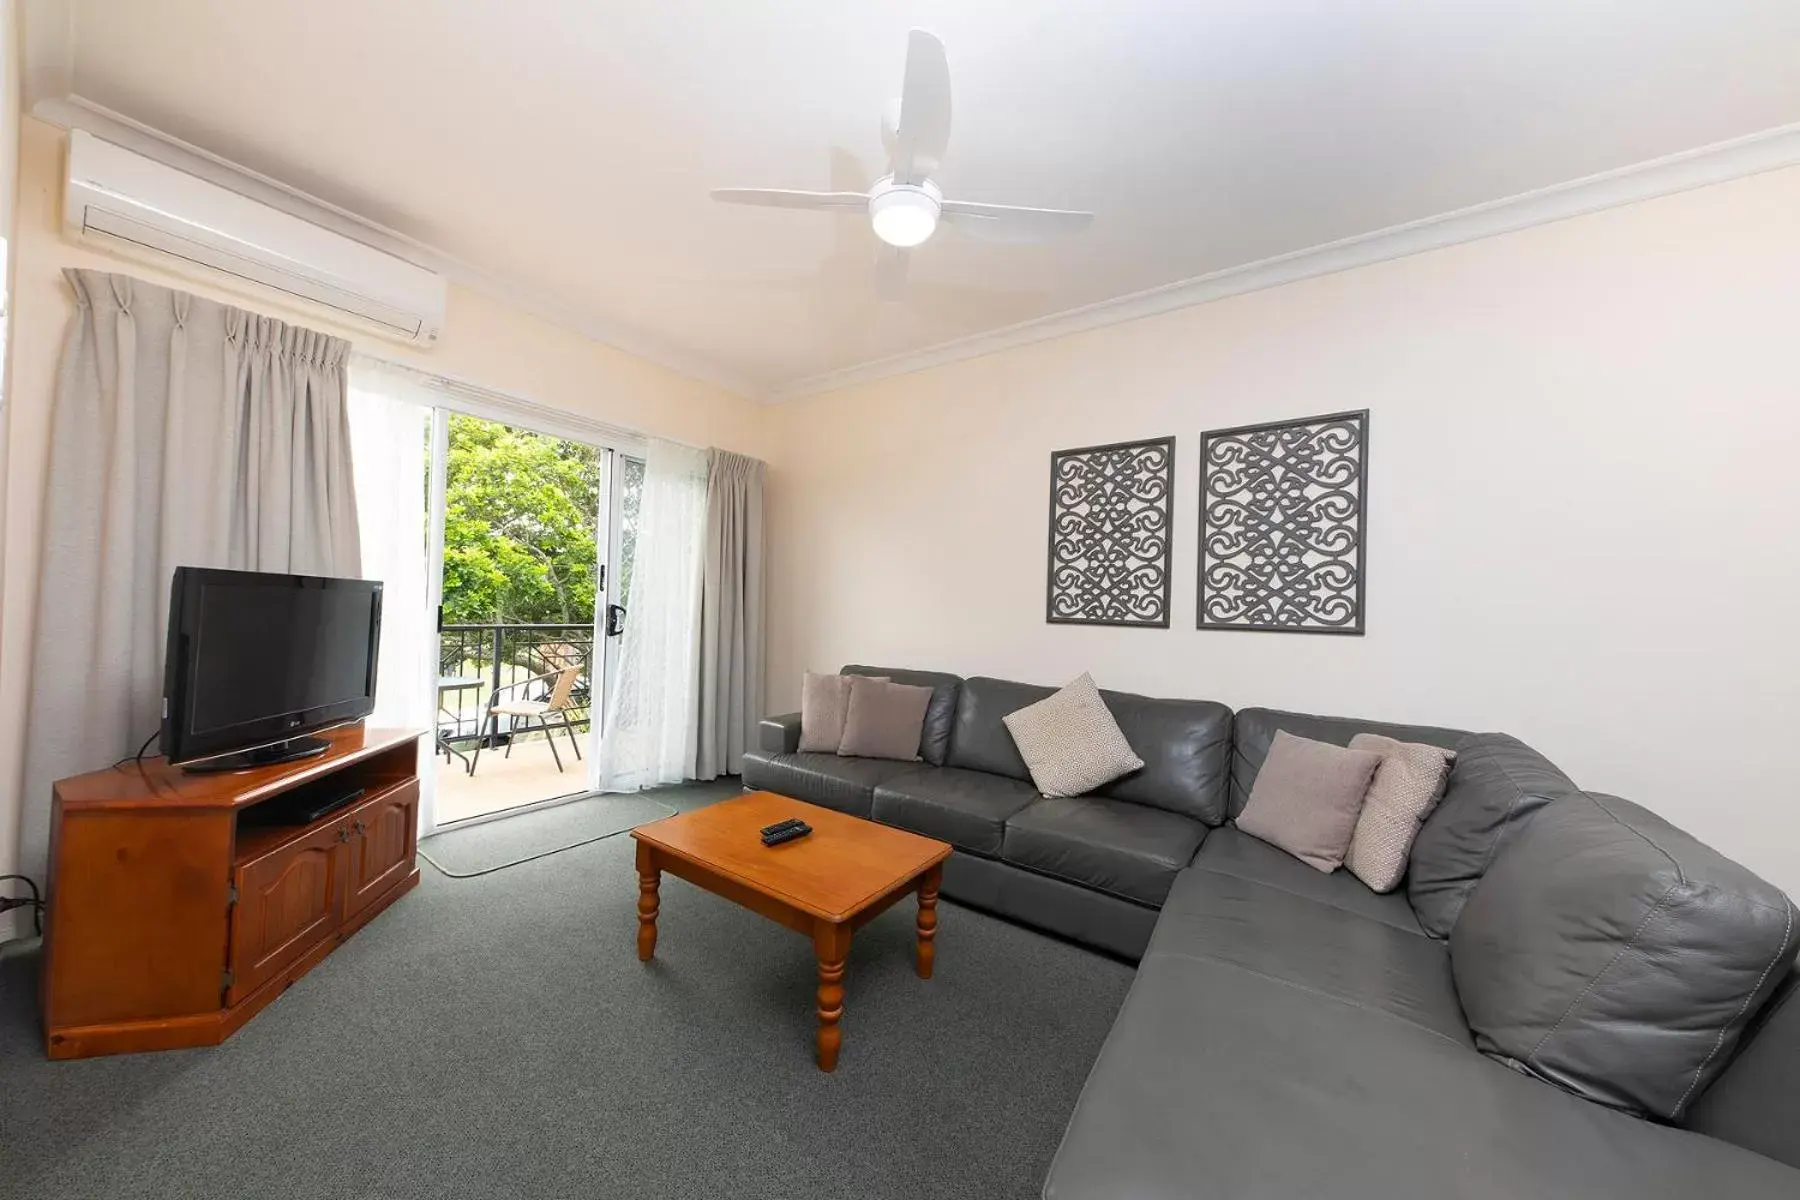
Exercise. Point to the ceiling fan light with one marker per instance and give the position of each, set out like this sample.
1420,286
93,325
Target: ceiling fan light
903,215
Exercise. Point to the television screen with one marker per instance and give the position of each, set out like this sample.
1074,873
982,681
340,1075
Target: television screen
256,658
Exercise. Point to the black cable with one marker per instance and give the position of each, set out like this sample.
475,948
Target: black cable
138,758
36,901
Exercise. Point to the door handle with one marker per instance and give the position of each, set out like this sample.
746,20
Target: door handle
615,620
361,829
343,834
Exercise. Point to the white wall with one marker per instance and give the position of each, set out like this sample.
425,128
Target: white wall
1582,502
485,342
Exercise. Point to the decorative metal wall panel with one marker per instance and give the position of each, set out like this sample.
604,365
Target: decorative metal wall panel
1111,533
1282,508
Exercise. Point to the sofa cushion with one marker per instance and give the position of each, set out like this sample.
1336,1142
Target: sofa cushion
940,714
846,784
1497,785
1229,852
1186,748
1221,1083
1307,797
1331,952
968,809
1612,954
1755,1102
980,741
884,719
1407,786
824,702
824,705
1254,729
1069,740
1130,850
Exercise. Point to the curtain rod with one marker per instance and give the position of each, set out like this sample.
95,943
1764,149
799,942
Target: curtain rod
585,428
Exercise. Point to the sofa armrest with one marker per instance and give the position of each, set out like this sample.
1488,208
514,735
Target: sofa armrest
779,735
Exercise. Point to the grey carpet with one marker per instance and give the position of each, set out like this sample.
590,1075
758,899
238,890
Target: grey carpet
496,1037
469,850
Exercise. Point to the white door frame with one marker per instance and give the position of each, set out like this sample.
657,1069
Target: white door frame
435,471
606,537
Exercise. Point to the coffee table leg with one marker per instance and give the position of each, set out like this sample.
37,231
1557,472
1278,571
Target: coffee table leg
649,879
927,925
831,943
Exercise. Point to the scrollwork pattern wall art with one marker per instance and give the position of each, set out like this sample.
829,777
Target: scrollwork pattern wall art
1282,509
1111,533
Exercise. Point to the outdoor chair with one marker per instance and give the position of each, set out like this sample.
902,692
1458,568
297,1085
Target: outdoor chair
555,707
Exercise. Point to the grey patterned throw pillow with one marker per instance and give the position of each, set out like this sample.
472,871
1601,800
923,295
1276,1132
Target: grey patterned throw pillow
1407,786
1070,741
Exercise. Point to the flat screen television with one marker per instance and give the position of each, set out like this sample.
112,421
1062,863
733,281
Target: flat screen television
258,662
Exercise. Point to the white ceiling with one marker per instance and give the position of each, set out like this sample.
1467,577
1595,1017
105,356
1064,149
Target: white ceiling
566,146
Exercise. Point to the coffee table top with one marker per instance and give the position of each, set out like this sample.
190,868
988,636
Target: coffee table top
845,864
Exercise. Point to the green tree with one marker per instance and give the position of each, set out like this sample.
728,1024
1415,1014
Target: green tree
520,511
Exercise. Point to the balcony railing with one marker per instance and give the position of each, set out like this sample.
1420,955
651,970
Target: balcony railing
502,654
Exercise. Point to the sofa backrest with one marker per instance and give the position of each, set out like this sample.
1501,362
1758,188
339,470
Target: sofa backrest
1186,748
1254,729
1185,744
1755,1102
940,714
979,741
1497,785
1618,957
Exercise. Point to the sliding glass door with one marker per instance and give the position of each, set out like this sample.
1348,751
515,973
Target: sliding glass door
532,537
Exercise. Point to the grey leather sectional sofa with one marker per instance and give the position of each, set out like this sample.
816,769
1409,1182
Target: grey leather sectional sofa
1294,1034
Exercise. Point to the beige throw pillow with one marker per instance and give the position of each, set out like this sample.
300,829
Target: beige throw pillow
1070,741
824,699
824,702
1307,797
1407,786
883,719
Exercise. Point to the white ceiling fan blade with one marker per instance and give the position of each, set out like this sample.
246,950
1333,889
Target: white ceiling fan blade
1008,223
890,273
784,198
924,130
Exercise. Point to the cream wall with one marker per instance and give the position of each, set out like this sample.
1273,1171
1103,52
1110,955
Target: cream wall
485,342
1582,502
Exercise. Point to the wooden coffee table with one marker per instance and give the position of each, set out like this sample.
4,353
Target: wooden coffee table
826,885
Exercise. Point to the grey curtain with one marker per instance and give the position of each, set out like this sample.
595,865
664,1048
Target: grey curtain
731,636
185,433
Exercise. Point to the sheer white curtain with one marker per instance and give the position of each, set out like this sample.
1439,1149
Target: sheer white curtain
390,417
650,735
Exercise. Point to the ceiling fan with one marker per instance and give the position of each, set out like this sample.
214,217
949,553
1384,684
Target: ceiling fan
905,207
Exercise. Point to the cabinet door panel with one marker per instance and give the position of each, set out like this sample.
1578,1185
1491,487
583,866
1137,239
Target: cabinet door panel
289,901
384,837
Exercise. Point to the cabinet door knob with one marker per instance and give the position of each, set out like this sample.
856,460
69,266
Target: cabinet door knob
343,834
361,829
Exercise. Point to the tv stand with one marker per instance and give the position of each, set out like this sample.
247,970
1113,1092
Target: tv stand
181,905
292,750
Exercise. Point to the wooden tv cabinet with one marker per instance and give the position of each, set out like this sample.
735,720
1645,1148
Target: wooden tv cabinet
177,912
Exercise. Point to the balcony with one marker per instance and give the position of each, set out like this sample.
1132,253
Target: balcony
520,661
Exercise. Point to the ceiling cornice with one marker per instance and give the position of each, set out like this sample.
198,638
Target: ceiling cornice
71,111
1717,163
47,49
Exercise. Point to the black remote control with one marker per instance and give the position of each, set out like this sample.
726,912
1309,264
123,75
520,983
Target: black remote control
787,835
777,827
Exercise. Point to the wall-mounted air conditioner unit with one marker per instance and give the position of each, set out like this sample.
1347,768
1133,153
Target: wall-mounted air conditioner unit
141,207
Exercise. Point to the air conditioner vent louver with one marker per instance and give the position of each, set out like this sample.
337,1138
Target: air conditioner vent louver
145,209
